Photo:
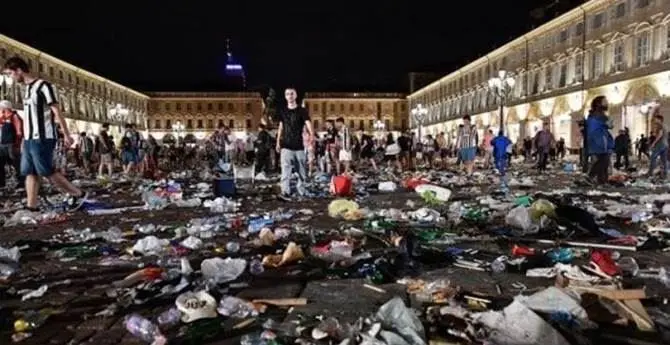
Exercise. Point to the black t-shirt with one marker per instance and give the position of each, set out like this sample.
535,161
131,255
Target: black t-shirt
404,143
331,134
367,141
293,124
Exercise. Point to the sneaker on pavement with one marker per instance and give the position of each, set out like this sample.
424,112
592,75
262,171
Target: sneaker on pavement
74,203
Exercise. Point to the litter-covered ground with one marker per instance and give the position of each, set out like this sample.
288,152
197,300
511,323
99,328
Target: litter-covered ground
407,259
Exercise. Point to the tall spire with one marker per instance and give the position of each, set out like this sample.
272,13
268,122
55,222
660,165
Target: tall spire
233,69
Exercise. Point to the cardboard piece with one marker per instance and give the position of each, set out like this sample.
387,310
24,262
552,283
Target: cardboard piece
282,302
616,295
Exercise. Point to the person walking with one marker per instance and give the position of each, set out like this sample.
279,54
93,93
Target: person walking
621,147
544,140
466,142
659,147
106,148
11,137
40,115
263,148
600,143
293,120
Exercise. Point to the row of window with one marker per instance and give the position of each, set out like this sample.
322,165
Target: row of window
361,124
200,124
179,106
618,13
61,76
316,107
564,73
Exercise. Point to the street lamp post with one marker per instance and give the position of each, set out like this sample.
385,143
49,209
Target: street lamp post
379,127
502,86
5,83
419,114
178,128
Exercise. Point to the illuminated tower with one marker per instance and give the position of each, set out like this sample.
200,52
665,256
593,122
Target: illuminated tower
234,71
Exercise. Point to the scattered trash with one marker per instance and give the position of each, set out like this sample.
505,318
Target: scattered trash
447,257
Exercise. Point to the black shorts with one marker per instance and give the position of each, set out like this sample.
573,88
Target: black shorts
444,153
367,154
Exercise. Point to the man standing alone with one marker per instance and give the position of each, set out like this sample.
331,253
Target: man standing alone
40,115
292,122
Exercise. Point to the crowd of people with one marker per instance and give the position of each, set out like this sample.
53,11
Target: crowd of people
37,144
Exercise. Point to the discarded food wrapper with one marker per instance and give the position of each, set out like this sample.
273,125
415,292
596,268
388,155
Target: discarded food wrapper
291,254
439,193
342,207
266,237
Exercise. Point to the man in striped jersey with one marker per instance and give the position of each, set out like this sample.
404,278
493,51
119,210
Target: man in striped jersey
40,115
344,156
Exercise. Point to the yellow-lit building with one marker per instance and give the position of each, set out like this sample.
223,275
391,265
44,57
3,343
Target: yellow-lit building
198,114
86,99
359,110
616,48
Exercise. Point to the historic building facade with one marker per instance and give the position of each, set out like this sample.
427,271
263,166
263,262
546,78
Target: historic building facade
360,110
616,48
87,100
195,115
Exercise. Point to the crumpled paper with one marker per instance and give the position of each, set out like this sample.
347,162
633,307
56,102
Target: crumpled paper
291,254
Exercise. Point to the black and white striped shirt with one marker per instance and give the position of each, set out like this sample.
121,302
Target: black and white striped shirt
467,137
38,119
346,139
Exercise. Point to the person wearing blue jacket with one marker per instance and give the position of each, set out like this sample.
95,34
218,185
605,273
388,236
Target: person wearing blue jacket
501,145
599,140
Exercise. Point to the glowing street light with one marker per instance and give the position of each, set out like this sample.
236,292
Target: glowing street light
502,86
379,127
178,128
419,114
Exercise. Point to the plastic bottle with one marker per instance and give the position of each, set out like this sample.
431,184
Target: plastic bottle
235,307
286,329
256,267
264,338
232,247
256,224
499,265
142,328
255,339
562,255
169,317
30,321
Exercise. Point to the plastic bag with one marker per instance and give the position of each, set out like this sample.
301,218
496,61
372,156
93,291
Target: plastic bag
540,208
520,218
395,316
222,271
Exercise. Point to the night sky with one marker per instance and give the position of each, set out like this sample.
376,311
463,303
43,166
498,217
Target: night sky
362,45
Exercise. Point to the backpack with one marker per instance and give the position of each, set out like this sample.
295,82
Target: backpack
88,145
126,143
101,147
7,133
